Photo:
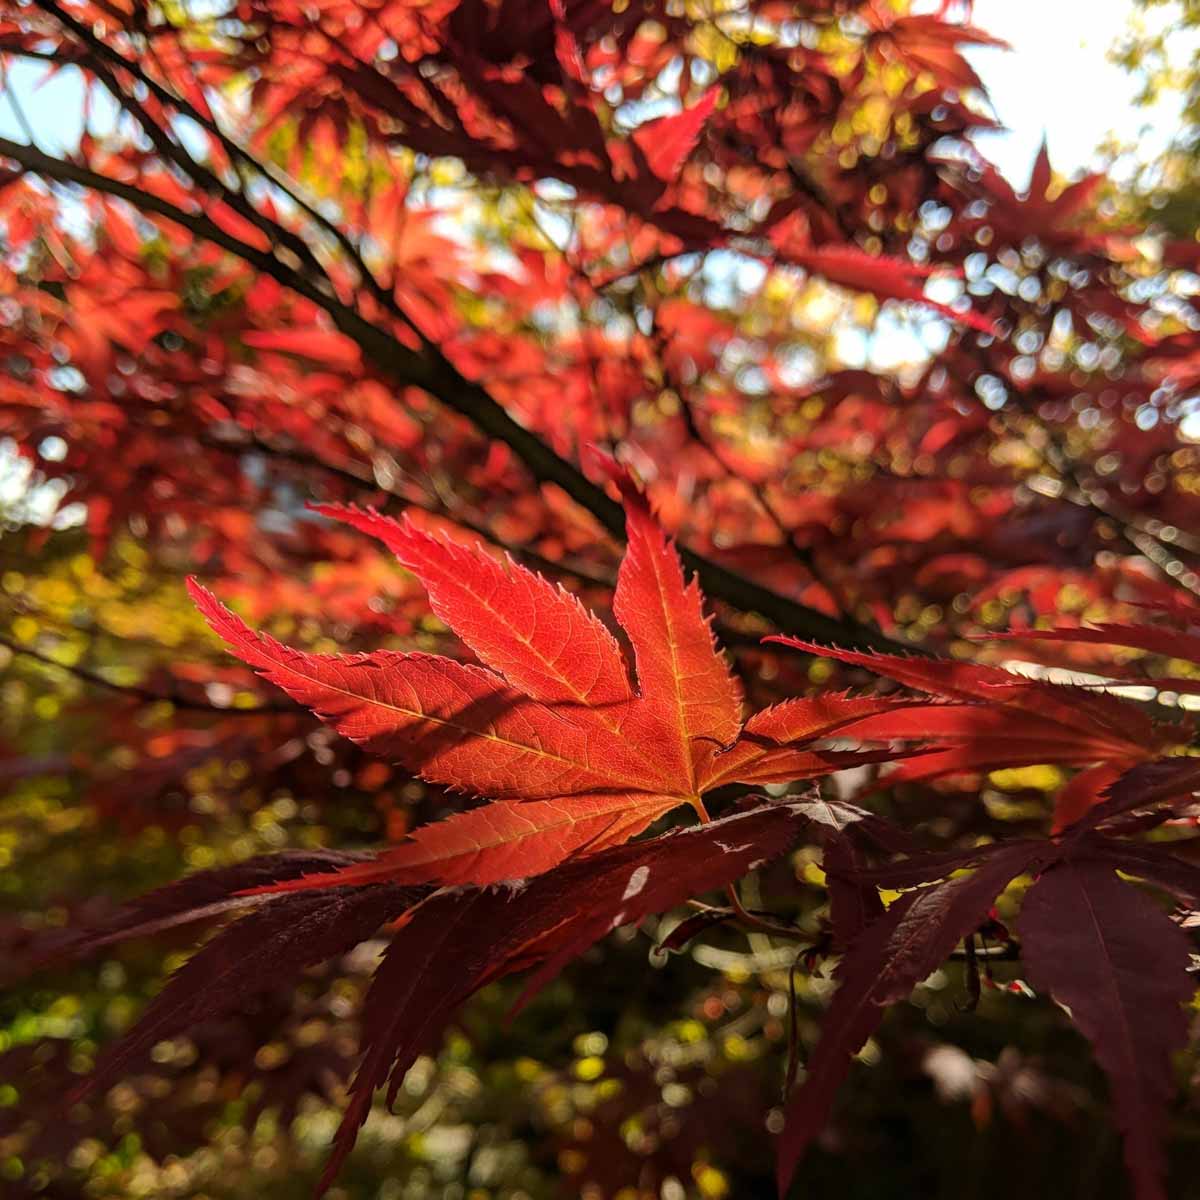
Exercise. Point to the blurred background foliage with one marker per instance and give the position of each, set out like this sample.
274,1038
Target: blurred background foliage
134,752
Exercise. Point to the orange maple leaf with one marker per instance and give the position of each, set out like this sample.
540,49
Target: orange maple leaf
573,758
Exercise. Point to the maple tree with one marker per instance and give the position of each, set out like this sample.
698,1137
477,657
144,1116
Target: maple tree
714,319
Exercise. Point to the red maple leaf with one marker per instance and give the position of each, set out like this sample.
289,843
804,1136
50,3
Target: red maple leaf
550,729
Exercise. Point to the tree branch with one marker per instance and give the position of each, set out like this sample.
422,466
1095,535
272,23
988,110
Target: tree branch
145,695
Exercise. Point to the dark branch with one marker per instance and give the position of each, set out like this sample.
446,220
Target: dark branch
143,695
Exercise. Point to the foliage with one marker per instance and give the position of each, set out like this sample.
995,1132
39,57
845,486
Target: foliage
505,286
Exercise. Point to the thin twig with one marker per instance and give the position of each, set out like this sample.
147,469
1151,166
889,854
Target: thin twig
143,695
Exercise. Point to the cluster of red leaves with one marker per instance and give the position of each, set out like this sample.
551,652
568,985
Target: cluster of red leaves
573,761
191,343
187,357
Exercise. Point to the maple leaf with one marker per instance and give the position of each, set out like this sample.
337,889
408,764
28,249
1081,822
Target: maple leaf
446,944
668,141
889,958
1164,641
1058,220
454,943
987,719
927,43
1106,952
1119,964
886,277
267,948
205,895
572,758
1143,787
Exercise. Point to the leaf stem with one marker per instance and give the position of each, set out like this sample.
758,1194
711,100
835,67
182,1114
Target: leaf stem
744,916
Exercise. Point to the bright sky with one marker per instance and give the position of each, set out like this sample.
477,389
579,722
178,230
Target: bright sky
1057,80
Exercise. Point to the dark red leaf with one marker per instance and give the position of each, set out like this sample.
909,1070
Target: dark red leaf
198,897
892,956
455,942
932,865
1119,965
1143,786
667,142
263,950
1151,862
